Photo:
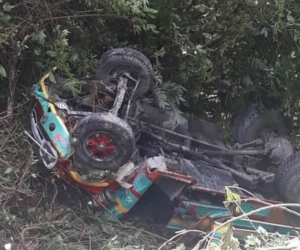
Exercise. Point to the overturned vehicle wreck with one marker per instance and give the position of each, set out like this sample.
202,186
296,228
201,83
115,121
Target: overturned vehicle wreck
123,149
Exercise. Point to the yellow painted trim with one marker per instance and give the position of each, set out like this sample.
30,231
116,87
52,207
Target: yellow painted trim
179,222
222,229
206,222
52,107
77,178
42,82
120,208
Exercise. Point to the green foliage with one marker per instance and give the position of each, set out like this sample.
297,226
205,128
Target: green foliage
265,240
170,94
213,57
2,71
232,198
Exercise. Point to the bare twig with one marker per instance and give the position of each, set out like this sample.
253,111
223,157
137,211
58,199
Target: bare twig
240,217
179,233
263,202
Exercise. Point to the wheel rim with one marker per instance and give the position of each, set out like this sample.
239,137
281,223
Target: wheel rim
101,146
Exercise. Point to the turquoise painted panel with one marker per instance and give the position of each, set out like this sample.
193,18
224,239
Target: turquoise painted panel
127,200
248,224
182,210
246,208
141,184
175,227
214,211
216,242
203,210
60,136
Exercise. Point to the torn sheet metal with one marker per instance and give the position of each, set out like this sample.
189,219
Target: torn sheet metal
157,162
124,174
197,216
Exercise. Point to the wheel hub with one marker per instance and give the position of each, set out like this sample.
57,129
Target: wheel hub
281,149
101,146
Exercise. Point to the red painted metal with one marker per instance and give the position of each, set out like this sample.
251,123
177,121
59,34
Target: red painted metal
135,193
38,108
101,145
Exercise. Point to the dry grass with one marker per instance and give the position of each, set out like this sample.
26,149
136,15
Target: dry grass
39,211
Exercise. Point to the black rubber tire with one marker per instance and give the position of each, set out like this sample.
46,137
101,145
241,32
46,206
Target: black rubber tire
127,59
286,175
238,119
292,191
117,128
254,122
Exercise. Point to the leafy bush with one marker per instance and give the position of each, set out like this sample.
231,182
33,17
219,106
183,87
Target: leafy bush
214,56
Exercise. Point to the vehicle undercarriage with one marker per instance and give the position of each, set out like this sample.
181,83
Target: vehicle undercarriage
115,144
